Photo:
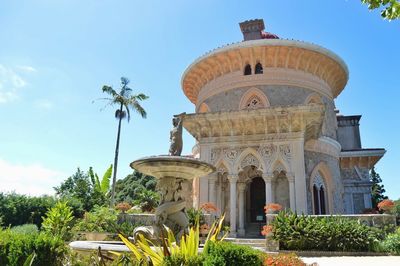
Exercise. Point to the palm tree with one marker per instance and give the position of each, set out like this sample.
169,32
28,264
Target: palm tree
125,101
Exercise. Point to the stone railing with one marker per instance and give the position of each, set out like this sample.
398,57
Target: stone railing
367,219
137,218
149,218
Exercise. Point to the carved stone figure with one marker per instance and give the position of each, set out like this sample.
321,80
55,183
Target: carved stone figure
175,148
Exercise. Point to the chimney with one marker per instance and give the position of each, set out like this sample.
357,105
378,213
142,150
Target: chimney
252,29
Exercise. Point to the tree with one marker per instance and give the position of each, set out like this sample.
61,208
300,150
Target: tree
125,101
133,185
102,186
80,193
377,188
391,8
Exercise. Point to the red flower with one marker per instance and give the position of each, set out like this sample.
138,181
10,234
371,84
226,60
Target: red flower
386,205
266,230
272,207
208,207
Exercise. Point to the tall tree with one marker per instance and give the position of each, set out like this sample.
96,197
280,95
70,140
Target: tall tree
125,101
391,8
377,188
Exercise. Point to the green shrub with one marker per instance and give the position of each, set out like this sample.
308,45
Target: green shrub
391,244
58,221
296,232
18,209
25,229
101,219
179,260
15,247
225,253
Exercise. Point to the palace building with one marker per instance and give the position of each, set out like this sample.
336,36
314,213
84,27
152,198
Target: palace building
266,119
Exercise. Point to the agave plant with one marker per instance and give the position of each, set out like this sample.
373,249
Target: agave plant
147,253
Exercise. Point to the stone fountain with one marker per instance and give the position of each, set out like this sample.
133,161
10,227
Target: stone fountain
174,175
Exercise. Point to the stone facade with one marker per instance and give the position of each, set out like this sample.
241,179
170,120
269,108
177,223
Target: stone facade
265,118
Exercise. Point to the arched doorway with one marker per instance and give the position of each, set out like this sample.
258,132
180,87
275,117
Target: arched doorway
257,200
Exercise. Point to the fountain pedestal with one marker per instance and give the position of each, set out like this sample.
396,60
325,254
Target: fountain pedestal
175,175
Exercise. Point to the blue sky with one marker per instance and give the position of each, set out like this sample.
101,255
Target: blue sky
55,56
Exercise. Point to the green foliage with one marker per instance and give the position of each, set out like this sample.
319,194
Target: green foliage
225,253
391,8
296,232
25,229
18,209
391,244
101,219
102,186
80,191
15,248
195,216
129,188
58,221
377,188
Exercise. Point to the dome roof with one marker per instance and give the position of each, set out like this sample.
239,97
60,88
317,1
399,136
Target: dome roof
268,35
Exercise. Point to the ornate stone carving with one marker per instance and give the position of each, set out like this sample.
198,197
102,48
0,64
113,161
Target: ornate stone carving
285,152
215,154
231,154
319,181
254,103
279,168
267,151
249,160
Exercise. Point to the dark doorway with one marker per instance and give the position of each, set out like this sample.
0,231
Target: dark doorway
257,200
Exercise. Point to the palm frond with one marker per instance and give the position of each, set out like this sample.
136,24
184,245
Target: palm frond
137,107
128,112
109,90
141,96
124,81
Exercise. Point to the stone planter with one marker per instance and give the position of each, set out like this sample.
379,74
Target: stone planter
95,236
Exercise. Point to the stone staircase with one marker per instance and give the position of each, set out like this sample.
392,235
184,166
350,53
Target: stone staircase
256,243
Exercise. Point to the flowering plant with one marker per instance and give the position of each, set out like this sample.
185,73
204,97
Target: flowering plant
283,259
272,207
123,206
266,230
208,207
386,205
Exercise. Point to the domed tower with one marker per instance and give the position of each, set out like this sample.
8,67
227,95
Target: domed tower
265,117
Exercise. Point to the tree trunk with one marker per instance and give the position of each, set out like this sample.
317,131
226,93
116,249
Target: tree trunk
114,181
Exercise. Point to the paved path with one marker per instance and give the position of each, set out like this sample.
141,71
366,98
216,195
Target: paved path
354,261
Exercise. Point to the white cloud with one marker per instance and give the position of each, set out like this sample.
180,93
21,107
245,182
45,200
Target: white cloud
27,68
11,82
31,179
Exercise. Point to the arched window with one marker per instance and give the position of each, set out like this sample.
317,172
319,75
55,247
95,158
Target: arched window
259,68
319,195
247,70
254,103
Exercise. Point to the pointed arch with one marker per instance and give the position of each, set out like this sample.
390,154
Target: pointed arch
247,157
279,166
321,188
313,98
253,99
222,164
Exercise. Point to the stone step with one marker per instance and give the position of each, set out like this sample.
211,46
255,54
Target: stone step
252,242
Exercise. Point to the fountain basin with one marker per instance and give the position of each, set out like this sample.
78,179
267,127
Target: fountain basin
172,166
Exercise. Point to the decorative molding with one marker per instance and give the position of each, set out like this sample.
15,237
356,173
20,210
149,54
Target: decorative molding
324,145
319,181
249,160
253,99
284,77
287,54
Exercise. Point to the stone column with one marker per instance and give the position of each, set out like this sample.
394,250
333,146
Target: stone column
211,188
300,176
233,178
292,191
219,195
268,187
241,188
